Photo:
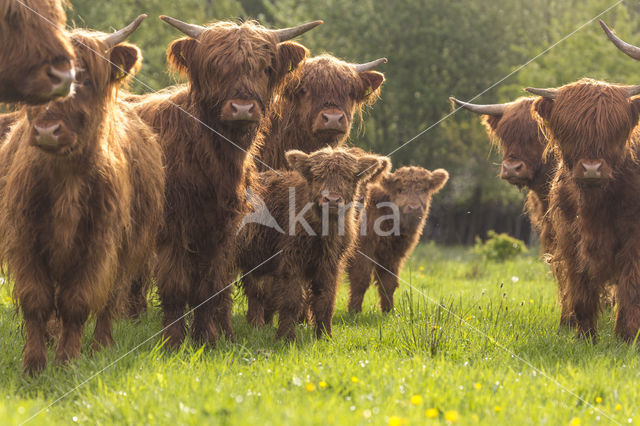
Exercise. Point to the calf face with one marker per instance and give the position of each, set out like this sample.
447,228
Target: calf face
325,93
590,124
334,177
234,68
517,135
411,188
35,55
66,127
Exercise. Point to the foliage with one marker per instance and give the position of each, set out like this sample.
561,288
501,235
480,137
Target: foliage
499,247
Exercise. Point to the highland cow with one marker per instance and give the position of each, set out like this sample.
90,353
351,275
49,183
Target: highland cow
312,237
82,201
387,239
35,55
209,132
317,106
593,202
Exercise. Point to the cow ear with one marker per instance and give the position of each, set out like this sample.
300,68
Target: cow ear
297,160
180,54
635,103
368,165
438,179
371,80
491,122
126,59
383,169
290,54
543,107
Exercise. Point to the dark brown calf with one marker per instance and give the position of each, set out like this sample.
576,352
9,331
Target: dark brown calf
593,204
82,201
313,208
35,54
406,196
317,106
209,130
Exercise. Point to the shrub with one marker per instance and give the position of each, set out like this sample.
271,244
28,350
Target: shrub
499,247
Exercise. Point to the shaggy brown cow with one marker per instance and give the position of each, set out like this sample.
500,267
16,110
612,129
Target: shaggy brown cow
317,106
593,204
207,129
35,54
82,201
312,207
383,249
262,302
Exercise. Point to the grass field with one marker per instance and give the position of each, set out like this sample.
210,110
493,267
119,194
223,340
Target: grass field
471,342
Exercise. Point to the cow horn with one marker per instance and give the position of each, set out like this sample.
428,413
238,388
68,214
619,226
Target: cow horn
293,32
633,90
496,109
545,93
193,31
370,65
121,35
631,50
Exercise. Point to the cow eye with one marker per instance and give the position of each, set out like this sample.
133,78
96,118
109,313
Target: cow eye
399,191
302,90
87,82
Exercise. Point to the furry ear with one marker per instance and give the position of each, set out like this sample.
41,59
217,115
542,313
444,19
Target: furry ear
491,122
383,169
180,54
543,107
126,60
290,54
372,80
438,179
297,160
368,165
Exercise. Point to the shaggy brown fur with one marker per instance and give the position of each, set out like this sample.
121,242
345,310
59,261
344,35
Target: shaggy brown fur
208,169
80,216
410,189
596,221
320,85
306,260
6,121
33,40
261,299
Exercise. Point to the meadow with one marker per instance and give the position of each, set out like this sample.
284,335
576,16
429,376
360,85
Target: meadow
470,342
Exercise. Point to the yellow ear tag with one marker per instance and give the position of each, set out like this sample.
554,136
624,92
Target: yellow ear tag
121,74
369,91
182,55
290,66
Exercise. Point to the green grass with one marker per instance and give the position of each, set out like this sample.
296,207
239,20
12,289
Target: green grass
510,364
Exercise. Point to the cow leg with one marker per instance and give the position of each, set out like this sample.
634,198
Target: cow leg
74,311
387,285
137,303
174,283
223,281
583,297
255,300
270,306
103,333
37,303
628,299
289,298
204,300
359,271
323,300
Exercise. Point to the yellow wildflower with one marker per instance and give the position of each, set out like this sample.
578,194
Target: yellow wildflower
598,400
478,386
452,416
575,421
354,379
310,387
431,413
416,400
396,421
323,384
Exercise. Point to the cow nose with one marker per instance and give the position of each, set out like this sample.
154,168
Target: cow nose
242,111
61,80
47,136
591,169
332,198
512,169
413,206
333,121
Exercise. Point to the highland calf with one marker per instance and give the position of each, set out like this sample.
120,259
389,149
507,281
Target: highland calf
209,131
317,106
593,203
35,54
387,239
82,196
312,236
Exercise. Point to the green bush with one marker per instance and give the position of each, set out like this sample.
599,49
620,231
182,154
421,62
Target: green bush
499,247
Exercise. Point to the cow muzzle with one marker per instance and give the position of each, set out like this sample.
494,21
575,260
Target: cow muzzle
515,172
50,81
52,137
594,172
331,121
413,208
332,200
241,111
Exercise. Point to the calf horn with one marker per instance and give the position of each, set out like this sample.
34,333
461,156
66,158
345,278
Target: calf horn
631,50
633,90
193,31
121,35
545,93
293,32
495,109
370,65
